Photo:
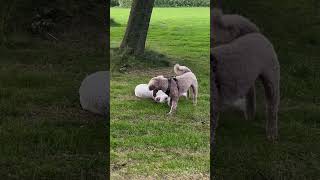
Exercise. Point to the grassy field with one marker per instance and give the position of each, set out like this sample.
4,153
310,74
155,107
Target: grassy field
145,142
44,134
242,149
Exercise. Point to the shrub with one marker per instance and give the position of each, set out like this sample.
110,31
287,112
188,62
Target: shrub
114,3
125,3
171,3
182,3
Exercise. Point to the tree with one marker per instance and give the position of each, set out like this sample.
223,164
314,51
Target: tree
137,29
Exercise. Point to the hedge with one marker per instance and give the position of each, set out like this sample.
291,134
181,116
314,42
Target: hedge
114,3
169,3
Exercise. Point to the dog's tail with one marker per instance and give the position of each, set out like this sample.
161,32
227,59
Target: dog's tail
179,70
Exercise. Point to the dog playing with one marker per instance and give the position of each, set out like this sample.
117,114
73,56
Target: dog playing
142,91
242,55
177,86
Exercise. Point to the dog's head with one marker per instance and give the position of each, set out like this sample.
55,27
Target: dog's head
161,98
155,83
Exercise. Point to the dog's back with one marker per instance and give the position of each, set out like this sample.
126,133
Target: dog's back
143,91
186,80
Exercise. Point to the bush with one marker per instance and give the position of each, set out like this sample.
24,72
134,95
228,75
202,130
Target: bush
114,3
171,3
58,16
182,3
125,3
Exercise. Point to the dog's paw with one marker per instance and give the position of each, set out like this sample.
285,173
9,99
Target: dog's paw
170,113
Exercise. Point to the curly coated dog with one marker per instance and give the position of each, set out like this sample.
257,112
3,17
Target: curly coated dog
241,55
177,86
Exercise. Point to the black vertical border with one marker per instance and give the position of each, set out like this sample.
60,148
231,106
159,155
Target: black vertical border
213,93
106,4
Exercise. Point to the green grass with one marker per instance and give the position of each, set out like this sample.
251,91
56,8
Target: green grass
242,149
138,138
145,142
44,134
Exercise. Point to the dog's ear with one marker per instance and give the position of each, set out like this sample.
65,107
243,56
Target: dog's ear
151,87
154,83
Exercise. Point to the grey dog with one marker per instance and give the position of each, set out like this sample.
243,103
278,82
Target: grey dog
176,86
240,56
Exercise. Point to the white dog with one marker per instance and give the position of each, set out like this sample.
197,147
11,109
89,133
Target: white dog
142,91
94,93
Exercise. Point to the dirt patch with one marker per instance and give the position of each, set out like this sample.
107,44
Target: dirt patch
168,71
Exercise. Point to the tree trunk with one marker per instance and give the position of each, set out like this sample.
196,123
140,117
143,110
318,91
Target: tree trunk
137,29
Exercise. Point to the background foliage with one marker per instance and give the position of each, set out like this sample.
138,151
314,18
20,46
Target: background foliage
44,133
62,15
166,3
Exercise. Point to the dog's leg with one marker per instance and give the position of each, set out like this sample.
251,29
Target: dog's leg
169,102
173,107
194,91
185,95
250,109
272,96
188,94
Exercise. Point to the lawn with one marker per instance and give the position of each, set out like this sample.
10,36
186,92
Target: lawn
145,142
242,150
44,134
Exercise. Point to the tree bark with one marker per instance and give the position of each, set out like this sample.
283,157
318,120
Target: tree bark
137,29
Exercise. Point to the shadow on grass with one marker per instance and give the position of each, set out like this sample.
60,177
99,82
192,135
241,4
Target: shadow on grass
151,59
113,23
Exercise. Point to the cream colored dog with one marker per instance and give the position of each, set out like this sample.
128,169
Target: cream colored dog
175,87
